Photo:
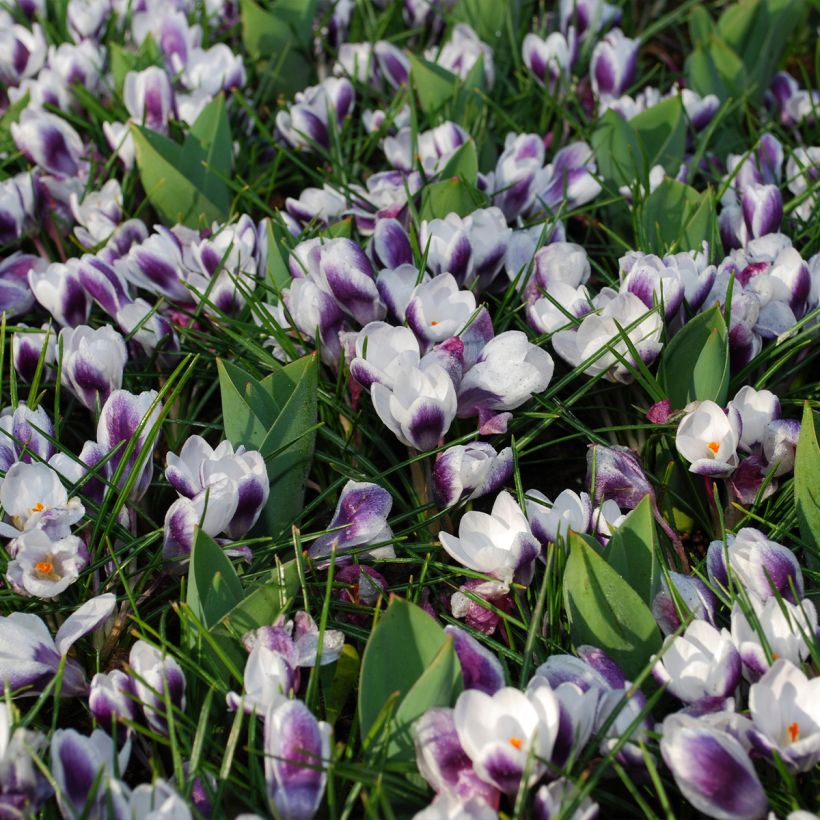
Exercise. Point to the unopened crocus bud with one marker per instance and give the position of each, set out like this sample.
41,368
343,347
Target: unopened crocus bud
297,749
613,65
780,445
149,97
112,699
470,471
50,142
551,801
92,363
360,586
156,674
762,207
471,607
690,596
27,349
549,60
17,207
480,667
615,473
59,291
390,245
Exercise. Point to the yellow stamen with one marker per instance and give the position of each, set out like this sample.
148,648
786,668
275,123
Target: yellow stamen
794,732
433,323
38,507
713,446
516,742
44,567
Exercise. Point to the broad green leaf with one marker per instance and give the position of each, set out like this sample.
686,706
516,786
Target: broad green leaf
662,132
807,484
463,164
450,196
695,364
247,411
618,151
434,85
676,217
213,585
211,134
342,228
701,26
402,647
488,18
716,69
278,273
339,680
177,183
438,685
604,611
633,551
280,37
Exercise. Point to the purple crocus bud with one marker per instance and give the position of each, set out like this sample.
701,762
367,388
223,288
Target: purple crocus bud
702,663
447,246
712,770
86,18
103,284
549,60
390,245
32,658
157,265
617,474
31,434
480,668
149,97
23,788
442,761
23,52
552,800
111,700
553,521
588,16
297,747
50,142
92,363
394,64
613,64
461,52
17,200
156,674
127,417
647,276
762,207
84,770
762,566
360,586
350,278
59,291
780,444
517,173
569,181
696,597
27,348
469,471
360,519
509,370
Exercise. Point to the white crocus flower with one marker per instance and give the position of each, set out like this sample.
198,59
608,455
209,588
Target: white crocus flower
756,409
708,438
552,521
44,568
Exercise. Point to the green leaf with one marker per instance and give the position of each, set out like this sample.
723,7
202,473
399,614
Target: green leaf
633,551
213,585
210,137
675,216
716,69
247,410
434,85
701,26
280,38
488,17
662,132
339,680
450,196
405,645
695,364
618,151
277,270
463,164
603,610
807,484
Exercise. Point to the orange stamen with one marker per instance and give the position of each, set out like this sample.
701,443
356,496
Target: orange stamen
713,446
433,323
516,742
38,507
794,732
44,567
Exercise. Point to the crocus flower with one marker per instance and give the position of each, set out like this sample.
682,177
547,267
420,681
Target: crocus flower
31,657
442,761
762,566
500,544
381,350
438,309
613,64
469,471
551,800
701,663
58,289
615,473
149,97
708,438
420,407
549,60
92,363
787,629
360,519
23,788
86,770
712,770
44,568
517,172
480,668
588,16
780,444
762,209
785,709
308,120
27,348
154,674
472,609
648,277
50,142
462,51
616,316
86,18
449,806
23,51
508,733
25,433
756,409
697,599
433,148
553,521
568,181
17,200
112,699
159,800
297,747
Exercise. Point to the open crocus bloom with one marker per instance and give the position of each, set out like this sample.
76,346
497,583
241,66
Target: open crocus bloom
708,438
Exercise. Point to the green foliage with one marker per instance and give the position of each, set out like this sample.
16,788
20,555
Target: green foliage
807,484
604,611
450,196
695,364
186,183
213,585
675,217
278,417
408,659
